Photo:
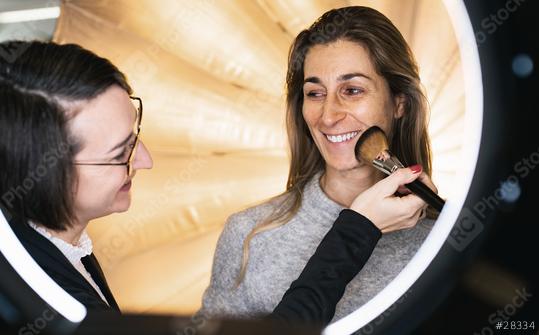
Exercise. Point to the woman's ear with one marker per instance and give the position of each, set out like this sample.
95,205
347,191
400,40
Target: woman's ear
400,102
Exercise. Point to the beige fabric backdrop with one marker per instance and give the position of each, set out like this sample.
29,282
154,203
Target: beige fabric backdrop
211,74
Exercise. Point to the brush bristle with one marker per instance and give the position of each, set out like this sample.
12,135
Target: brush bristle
371,143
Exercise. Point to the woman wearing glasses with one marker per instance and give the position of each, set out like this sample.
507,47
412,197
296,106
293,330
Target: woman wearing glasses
70,148
73,158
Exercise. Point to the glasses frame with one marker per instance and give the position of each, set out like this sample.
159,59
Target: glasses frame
131,157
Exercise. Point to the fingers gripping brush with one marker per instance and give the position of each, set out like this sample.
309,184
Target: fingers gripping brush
373,147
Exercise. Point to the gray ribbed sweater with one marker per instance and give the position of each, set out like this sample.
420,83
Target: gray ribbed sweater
278,256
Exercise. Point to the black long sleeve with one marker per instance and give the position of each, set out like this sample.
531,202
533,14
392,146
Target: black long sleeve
340,256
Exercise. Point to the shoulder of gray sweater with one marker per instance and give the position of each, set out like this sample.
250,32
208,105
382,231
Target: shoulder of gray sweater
241,223
425,226
414,235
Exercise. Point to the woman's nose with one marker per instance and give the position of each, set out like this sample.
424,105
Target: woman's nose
332,112
143,158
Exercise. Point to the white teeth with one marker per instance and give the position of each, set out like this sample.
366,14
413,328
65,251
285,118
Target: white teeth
342,137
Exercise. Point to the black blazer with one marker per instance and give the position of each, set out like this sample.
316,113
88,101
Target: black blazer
58,267
311,298
340,256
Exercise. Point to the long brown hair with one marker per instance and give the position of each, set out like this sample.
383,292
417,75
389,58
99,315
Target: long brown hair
392,59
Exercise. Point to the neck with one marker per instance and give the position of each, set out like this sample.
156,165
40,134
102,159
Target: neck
344,186
72,234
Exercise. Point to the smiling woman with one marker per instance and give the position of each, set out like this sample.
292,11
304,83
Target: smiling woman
95,119
350,70
192,53
347,98
213,118
64,107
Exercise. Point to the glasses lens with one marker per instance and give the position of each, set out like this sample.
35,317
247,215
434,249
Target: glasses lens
138,109
132,156
137,103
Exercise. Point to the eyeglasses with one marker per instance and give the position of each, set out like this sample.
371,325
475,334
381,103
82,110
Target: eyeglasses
136,130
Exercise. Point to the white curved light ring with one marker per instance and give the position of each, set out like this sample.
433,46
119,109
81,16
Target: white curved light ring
36,278
429,249
74,311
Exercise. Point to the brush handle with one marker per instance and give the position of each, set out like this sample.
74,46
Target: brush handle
425,193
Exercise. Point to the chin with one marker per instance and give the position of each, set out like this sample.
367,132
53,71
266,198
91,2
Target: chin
122,205
344,165
122,209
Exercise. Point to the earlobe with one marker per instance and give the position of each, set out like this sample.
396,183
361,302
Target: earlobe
400,101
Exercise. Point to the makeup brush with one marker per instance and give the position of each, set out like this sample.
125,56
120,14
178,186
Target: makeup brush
373,147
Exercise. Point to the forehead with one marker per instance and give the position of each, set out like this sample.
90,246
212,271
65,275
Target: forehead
104,121
338,58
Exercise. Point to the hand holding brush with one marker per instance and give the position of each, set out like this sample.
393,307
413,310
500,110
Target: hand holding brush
373,147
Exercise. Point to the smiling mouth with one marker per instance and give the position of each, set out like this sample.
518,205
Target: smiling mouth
342,137
126,186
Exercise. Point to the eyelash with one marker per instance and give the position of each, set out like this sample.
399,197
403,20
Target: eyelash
124,151
315,94
356,89
312,94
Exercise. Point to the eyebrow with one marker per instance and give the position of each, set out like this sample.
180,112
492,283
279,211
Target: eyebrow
343,77
121,144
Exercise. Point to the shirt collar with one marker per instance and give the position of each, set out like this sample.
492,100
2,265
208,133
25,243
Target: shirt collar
73,253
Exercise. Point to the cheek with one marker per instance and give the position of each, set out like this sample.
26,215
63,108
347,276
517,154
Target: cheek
98,188
375,113
383,121
310,114
85,187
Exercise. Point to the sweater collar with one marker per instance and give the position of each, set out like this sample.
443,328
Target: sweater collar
315,200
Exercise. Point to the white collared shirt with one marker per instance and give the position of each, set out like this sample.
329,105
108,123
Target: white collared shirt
73,253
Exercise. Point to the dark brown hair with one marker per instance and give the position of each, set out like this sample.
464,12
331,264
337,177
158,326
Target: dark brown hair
38,84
